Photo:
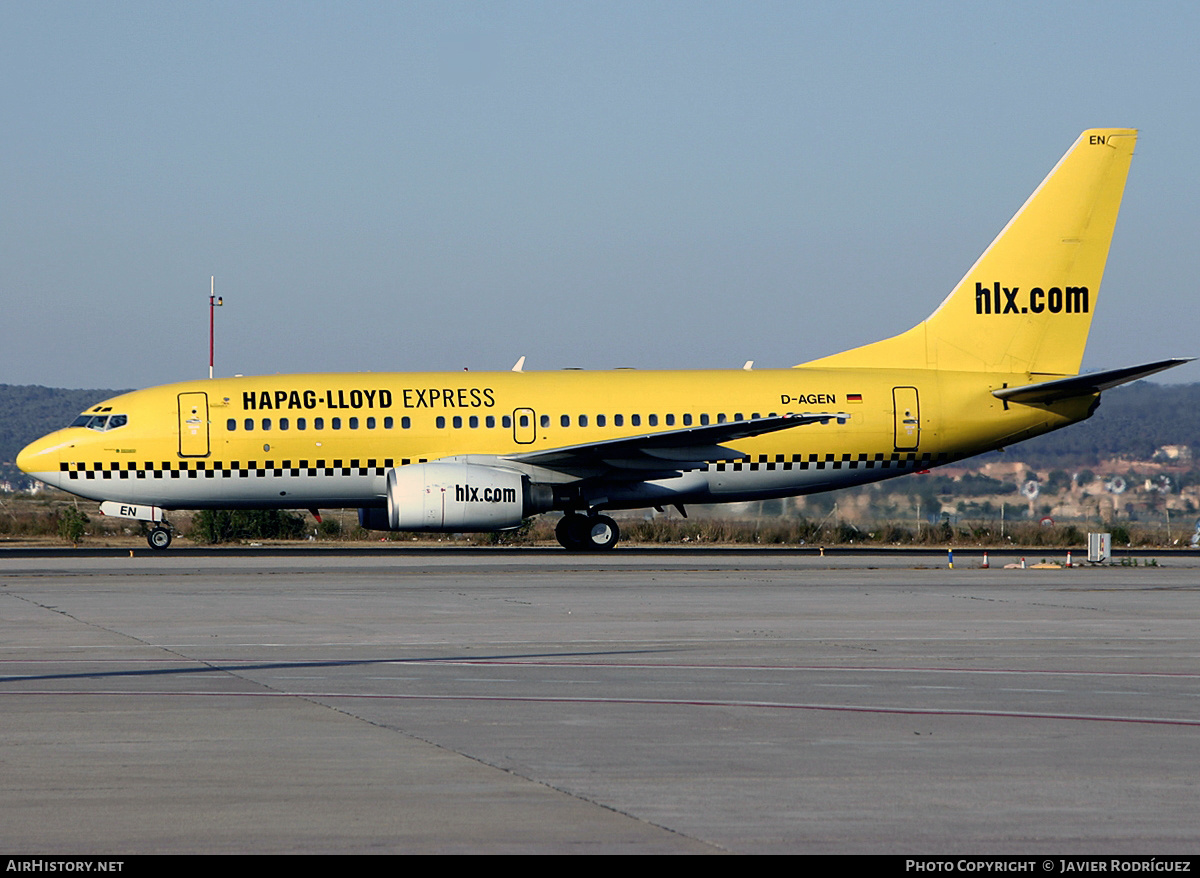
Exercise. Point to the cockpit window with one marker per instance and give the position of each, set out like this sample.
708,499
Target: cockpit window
100,423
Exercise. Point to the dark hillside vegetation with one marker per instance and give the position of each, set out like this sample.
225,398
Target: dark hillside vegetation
1132,422
29,411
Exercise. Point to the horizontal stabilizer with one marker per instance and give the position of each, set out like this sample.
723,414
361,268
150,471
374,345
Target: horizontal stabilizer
1083,385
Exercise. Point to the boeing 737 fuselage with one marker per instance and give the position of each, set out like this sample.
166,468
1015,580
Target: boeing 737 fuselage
996,363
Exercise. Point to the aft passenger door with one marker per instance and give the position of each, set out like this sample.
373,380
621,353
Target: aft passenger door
193,425
908,418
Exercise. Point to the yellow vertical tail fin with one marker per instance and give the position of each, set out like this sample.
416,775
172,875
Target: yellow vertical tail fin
1026,305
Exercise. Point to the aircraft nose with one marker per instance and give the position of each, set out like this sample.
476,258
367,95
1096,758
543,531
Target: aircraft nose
27,458
40,457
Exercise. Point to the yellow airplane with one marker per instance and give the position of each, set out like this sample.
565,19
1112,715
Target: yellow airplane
997,362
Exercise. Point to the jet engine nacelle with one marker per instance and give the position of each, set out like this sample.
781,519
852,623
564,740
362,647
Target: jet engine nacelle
450,497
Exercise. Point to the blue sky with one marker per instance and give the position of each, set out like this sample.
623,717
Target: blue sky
413,186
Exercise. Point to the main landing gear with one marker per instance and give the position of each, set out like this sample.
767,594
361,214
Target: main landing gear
587,533
159,538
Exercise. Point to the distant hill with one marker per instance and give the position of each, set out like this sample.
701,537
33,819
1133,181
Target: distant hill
29,411
1132,422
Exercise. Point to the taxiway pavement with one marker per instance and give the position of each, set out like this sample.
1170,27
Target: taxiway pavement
509,701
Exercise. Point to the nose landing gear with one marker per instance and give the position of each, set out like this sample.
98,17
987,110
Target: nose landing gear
159,538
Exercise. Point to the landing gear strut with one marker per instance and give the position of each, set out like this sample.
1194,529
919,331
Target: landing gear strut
159,538
587,533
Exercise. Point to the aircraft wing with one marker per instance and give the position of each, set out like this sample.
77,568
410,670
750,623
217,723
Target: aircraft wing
665,454
1082,385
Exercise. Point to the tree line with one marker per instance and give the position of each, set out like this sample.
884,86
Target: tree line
1132,422
29,411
